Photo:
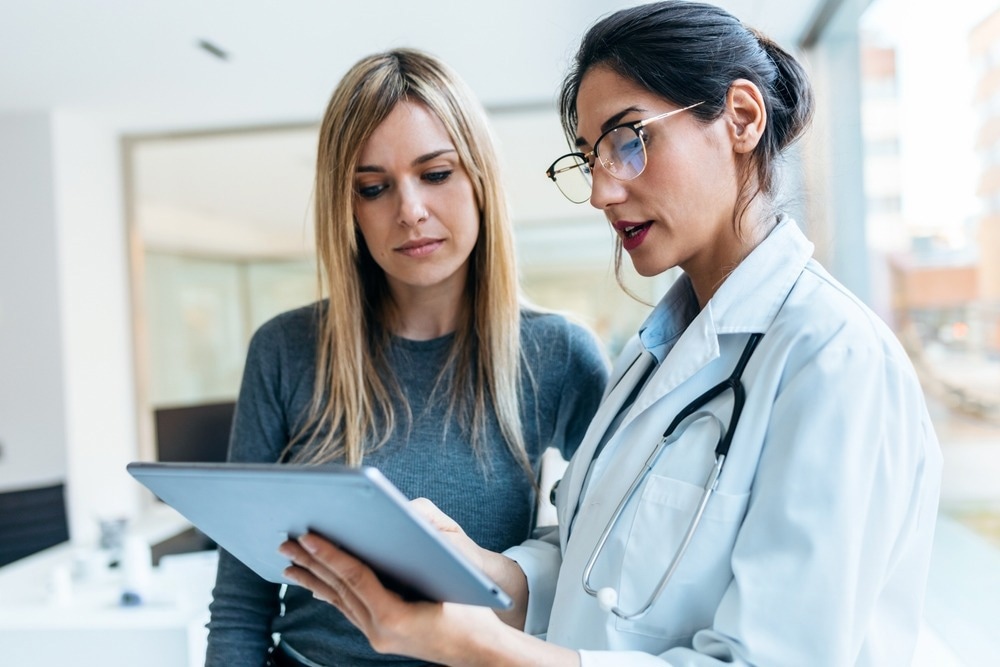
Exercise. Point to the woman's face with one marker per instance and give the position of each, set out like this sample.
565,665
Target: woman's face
679,211
415,206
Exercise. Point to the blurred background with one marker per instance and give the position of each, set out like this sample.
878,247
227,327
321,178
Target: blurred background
156,165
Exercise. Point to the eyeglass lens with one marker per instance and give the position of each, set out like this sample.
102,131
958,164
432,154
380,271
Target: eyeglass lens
572,175
621,152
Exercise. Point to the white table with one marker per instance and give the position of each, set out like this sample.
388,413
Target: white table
45,623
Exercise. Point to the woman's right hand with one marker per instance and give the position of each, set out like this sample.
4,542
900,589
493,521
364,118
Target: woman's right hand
502,570
443,633
450,528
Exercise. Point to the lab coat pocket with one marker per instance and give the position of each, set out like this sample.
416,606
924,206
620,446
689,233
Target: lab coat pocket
657,528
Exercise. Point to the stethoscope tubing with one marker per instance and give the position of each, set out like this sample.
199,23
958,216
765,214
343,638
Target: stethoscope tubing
734,383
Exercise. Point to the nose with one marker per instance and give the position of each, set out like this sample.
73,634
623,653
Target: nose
605,189
412,208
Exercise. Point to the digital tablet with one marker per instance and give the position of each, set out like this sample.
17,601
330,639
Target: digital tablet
250,509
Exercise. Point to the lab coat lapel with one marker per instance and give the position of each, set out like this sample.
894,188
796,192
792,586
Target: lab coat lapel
696,348
573,479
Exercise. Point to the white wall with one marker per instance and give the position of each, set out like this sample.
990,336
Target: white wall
100,403
32,414
67,405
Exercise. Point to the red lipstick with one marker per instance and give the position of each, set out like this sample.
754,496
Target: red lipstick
632,233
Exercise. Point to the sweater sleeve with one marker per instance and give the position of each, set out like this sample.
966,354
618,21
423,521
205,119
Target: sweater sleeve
243,604
584,378
577,375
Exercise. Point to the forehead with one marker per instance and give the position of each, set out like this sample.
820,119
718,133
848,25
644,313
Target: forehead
604,94
410,130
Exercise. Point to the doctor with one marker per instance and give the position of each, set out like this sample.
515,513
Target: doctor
760,484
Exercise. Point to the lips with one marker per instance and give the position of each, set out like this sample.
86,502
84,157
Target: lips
420,247
632,233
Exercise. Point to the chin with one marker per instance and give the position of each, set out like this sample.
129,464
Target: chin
647,270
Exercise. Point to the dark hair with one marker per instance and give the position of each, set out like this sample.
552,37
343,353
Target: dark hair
689,52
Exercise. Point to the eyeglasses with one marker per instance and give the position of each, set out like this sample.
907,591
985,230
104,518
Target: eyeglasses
621,150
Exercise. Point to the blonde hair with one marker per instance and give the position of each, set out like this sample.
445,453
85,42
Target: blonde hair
351,411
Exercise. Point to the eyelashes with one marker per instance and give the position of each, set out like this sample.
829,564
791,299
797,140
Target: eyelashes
436,177
371,191
374,190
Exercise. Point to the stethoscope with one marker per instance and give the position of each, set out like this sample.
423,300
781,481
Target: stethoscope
607,597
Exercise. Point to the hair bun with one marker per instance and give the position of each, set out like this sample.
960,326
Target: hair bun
792,88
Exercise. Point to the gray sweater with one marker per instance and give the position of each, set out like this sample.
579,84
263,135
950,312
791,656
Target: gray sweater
564,373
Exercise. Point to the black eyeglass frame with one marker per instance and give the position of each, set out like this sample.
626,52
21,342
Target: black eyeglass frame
590,157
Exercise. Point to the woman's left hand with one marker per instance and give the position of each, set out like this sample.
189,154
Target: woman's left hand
429,631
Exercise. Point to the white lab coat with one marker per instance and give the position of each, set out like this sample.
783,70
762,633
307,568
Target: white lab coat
815,548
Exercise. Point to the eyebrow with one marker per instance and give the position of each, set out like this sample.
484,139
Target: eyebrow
614,121
426,157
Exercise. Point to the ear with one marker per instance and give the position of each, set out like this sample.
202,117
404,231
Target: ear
746,115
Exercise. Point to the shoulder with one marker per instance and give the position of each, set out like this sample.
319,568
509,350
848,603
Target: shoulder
561,344
821,316
548,327
292,332
556,335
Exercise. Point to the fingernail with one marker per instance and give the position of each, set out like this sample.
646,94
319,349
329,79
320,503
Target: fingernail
307,544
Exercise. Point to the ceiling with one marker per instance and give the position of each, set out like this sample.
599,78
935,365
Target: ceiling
199,181
137,64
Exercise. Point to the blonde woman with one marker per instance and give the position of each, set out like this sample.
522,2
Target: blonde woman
422,361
